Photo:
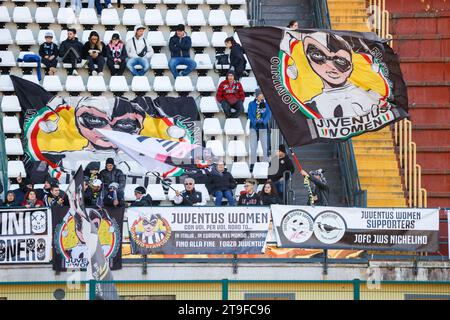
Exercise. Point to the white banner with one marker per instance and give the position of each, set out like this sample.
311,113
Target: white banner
409,229
198,230
25,235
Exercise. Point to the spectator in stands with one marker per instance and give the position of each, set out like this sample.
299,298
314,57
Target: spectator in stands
49,182
269,194
142,199
283,164
99,6
31,200
92,171
25,185
71,51
113,196
180,44
249,197
48,51
10,200
259,115
112,174
237,59
55,198
293,24
189,197
319,188
221,184
94,51
139,52
116,55
93,195
231,96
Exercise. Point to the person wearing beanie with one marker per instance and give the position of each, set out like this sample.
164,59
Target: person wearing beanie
49,182
142,199
237,58
48,51
113,197
70,51
112,174
231,96
94,51
284,164
116,55
139,52
180,44
259,115
94,194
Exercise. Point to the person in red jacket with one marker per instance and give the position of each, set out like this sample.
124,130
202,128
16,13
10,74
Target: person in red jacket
231,96
31,200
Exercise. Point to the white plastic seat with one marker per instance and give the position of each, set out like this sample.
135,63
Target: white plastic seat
204,191
52,83
238,190
15,169
153,17
26,64
156,39
129,35
236,148
7,59
108,35
13,147
10,104
44,15
217,18
261,170
129,192
209,105
247,101
205,84
129,1
238,18
199,39
96,84
156,191
41,36
247,127
110,17
162,84
65,16
215,2
6,83
203,61
75,84
4,15
140,84
31,77
24,37
131,17
22,15
43,1
216,147
218,39
195,18
172,1
184,84
174,17
235,2
159,61
11,125
151,1
118,84
249,84
5,37
211,126
190,2
88,16
240,170
233,127
247,64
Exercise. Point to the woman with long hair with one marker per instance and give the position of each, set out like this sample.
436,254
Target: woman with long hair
10,200
237,59
31,200
94,51
269,194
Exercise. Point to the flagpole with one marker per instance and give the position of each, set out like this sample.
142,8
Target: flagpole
294,156
168,185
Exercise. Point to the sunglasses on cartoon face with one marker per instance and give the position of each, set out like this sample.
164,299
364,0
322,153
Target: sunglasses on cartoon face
91,121
318,56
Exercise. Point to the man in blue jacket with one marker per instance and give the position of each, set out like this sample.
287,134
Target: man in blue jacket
259,115
179,45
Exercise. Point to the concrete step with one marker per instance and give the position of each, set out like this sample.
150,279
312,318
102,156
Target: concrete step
420,114
428,46
369,150
360,27
349,19
430,71
439,137
383,188
382,165
379,172
429,94
379,180
374,143
386,202
376,157
421,23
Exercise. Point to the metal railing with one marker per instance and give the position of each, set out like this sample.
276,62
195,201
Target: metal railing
232,290
321,14
3,161
255,12
412,172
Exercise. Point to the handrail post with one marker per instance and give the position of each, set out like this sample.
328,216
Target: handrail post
224,289
356,289
92,284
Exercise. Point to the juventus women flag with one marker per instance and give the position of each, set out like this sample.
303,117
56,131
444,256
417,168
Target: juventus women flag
324,84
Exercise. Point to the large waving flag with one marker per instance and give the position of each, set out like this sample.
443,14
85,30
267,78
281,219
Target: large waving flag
159,155
325,84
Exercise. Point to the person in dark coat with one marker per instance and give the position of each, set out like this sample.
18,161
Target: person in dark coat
284,164
25,185
269,194
112,174
221,184
49,182
48,51
93,195
56,198
94,51
319,188
189,197
10,200
113,197
237,59
142,199
71,51
180,44
116,55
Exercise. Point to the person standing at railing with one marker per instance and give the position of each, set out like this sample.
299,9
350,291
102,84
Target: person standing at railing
284,164
319,187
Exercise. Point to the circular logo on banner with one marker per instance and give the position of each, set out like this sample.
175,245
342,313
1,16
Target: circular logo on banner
151,232
297,226
329,227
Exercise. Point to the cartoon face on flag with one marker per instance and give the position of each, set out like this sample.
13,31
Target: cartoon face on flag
326,84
